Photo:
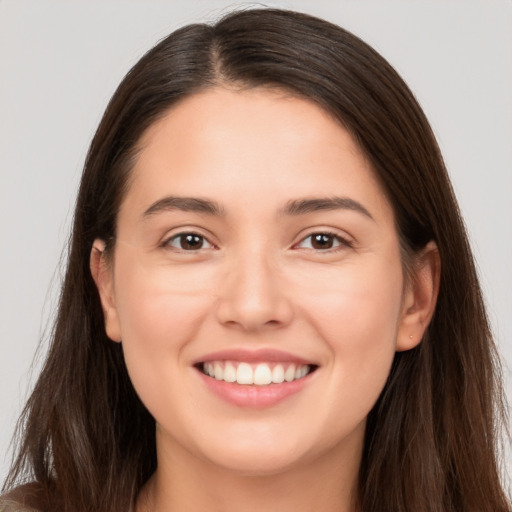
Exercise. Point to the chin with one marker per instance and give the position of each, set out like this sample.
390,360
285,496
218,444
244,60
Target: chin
261,453
256,462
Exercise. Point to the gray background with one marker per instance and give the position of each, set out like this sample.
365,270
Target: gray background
61,61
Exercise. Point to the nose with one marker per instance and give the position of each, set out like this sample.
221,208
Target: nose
254,296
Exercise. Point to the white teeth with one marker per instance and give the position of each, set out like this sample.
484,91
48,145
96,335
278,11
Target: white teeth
300,372
244,374
218,371
289,374
209,369
260,375
229,373
278,374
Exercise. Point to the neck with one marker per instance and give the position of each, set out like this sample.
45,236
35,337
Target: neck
189,484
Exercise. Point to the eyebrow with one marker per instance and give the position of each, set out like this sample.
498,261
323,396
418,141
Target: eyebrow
293,208
184,204
304,206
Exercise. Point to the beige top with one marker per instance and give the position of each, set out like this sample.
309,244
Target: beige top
7,505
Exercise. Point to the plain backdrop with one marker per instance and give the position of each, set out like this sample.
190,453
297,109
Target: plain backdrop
60,62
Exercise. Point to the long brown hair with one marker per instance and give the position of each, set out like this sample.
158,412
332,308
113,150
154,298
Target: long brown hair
87,443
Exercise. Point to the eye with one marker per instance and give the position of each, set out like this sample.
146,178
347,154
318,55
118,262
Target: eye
188,242
323,242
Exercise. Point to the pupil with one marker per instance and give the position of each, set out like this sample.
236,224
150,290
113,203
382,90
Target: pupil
322,241
191,242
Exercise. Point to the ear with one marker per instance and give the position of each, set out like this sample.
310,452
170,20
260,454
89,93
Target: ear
420,298
103,275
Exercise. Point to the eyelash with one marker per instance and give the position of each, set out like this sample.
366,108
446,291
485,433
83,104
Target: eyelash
167,243
342,243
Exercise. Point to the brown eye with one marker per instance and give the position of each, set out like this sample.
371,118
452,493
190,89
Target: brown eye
323,242
189,242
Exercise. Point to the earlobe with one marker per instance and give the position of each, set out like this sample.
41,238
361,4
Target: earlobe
420,298
102,275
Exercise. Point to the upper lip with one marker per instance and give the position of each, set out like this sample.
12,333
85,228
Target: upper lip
253,356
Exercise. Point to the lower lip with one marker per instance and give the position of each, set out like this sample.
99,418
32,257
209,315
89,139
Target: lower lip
257,397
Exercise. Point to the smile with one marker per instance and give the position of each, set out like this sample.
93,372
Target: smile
259,374
255,378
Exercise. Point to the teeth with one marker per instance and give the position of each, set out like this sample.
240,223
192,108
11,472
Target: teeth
229,373
210,370
278,374
260,375
244,374
218,371
289,374
300,372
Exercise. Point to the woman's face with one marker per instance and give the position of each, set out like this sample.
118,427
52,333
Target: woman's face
255,244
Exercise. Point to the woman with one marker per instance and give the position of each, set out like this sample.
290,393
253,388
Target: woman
270,301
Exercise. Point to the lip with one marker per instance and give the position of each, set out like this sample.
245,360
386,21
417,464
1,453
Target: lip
254,396
261,355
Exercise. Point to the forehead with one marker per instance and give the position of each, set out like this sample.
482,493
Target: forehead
250,144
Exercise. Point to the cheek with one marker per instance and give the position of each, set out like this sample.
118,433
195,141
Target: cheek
354,302
356,312
159,304
160,312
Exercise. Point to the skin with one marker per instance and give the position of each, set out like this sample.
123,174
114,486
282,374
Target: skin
256,281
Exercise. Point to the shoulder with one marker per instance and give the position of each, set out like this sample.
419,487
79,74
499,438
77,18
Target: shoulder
25,498
9,505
